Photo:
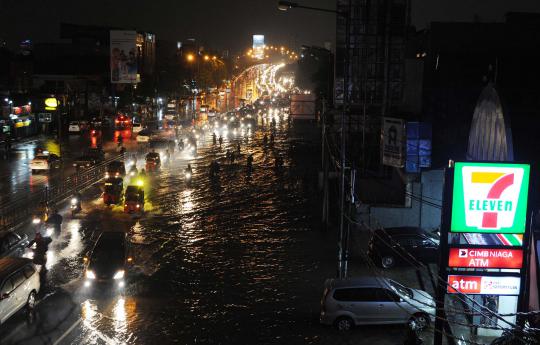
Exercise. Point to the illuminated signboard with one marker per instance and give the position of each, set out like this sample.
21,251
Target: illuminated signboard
482,285
485,258
490,197
51,103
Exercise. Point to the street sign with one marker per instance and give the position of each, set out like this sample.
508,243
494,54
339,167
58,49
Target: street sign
490,197
44,117
483,285
485,258
393,140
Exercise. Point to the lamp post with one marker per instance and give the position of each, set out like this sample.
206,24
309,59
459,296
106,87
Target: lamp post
342,247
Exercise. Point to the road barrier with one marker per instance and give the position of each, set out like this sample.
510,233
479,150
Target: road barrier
25,205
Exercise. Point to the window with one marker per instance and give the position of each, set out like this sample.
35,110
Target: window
7,288
3,246
384,295
13,239
409,241
355,295
17,279
28,271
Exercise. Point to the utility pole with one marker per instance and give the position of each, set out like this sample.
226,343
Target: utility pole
341,251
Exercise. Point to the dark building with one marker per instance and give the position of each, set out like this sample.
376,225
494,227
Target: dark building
378,33
459,60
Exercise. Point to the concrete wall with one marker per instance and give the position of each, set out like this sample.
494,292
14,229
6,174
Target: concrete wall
425,205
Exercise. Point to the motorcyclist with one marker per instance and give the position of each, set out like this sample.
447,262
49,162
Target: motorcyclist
120,140
232,157
250,162
278,162
142,173
220,140
238,148
228,155
271,138
77,196
133,170
168,154
265,139
41,246
122,150
56,220
214,138
181,144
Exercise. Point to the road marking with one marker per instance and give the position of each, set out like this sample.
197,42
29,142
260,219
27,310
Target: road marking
75,324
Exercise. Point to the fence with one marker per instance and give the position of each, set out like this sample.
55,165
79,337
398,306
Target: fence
27,204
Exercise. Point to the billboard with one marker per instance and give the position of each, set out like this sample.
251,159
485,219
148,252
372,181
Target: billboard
490,197
483,285
303,107
123,56
485,258
258,46
393,140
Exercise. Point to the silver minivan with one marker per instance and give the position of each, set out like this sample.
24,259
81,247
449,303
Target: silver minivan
373,301
19,285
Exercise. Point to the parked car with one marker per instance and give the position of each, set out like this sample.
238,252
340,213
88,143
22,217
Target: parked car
45,161
108,262
373,301
393,246
74,127
19,285
12,244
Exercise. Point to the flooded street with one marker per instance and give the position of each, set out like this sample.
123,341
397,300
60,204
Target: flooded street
215,261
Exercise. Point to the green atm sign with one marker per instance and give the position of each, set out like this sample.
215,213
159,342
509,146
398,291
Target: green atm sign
490,197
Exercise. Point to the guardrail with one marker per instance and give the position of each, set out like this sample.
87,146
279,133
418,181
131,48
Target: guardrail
25,205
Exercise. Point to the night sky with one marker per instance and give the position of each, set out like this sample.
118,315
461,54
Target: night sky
222,24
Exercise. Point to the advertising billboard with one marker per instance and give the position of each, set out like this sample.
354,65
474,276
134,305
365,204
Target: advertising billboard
483,285
393,145
485,258
490,197
123,56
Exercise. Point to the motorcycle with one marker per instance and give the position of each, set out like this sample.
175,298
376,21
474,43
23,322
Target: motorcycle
75,206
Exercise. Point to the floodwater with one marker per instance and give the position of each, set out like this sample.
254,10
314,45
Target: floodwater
235,260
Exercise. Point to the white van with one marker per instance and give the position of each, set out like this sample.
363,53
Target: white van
19,286
374,301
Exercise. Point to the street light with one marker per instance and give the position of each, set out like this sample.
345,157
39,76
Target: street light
284,6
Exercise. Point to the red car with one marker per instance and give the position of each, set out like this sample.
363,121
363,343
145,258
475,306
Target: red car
122,121
113,190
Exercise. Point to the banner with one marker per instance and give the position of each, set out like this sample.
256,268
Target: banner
393,140
123,56
485,258
483,285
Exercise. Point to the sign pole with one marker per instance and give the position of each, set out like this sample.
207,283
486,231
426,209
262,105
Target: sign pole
440,323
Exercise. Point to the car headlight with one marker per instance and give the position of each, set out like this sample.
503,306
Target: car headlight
36,220
90,274
119,275
188,175
74,200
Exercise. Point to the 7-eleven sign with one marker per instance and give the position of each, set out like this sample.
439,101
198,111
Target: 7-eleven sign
490,197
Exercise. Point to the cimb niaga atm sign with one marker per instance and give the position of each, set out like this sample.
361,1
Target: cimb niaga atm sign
490,197
485,258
